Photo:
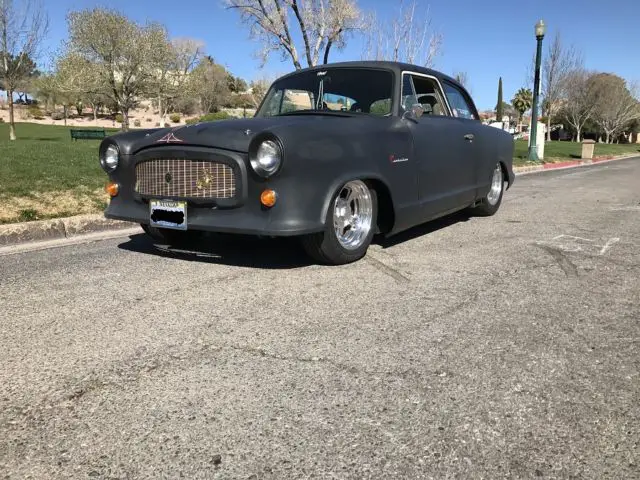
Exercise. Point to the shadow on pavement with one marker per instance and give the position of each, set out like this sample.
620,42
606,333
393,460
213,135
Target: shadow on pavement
235,250
423,229
266,253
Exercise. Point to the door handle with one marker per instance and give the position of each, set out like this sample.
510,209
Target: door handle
469,137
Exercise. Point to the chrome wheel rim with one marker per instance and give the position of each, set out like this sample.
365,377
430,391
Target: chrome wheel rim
353,215
496,186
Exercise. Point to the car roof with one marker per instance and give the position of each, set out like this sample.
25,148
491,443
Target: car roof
397,67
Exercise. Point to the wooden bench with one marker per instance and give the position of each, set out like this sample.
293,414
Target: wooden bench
87,134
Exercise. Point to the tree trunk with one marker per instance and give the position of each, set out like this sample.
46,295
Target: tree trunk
125,119
607,137
95,113
12,125
326,52
578,134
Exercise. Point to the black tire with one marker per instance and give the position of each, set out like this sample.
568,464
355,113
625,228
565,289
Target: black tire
488,204
325,248
167,236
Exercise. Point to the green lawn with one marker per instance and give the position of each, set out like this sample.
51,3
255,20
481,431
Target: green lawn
45,159
45,174
558,151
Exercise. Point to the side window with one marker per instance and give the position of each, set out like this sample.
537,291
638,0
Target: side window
459,103
408,93
425,91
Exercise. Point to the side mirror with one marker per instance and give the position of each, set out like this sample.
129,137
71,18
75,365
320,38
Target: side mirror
416,111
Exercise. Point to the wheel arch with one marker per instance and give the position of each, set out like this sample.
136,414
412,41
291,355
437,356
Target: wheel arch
386,210
505,173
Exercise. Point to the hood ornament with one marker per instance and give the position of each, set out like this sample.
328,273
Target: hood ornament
170,138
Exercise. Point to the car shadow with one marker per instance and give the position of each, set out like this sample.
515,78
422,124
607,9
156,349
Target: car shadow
423,229
234,250
264,253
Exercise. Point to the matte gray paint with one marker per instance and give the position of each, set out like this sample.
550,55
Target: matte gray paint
444,172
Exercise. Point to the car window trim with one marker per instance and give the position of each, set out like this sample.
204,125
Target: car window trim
467,98
431,77
388,70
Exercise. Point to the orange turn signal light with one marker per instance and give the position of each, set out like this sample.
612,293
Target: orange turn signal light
112,189
268,198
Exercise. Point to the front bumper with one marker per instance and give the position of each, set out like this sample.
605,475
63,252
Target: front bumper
292,215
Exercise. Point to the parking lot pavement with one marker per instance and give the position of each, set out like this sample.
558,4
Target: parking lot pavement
502,347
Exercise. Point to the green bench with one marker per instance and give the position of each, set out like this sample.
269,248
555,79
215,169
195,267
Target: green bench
85,133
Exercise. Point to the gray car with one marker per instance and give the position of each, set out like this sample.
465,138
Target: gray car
334,155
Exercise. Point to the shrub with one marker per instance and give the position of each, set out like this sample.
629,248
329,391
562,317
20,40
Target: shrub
35,112
149,120
28,215
212,117
136,122
175,117
57,116
157,124
1,120
119,118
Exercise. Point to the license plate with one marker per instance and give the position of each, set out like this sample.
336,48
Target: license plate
168,214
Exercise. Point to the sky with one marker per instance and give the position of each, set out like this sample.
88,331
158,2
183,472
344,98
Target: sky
484,38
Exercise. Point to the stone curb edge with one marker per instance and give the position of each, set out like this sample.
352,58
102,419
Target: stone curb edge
569,164
41,230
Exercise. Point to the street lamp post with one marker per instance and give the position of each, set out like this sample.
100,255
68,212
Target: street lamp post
533,147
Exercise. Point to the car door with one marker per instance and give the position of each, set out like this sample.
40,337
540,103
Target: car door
443,147
466,114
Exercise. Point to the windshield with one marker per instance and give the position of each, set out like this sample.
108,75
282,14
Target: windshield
354,90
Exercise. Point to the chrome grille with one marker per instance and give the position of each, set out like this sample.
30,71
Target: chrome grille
185,178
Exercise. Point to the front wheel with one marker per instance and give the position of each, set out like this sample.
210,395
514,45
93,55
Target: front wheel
490,203
350,226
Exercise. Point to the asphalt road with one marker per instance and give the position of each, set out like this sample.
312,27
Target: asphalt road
502,347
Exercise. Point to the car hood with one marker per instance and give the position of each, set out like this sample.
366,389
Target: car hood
233,135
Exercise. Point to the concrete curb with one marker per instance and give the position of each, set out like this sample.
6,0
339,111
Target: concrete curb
569,164
42,230
15,233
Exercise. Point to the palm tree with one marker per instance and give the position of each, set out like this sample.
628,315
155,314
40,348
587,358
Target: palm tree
522,101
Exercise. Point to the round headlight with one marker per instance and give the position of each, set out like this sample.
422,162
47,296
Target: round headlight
110,158
267,158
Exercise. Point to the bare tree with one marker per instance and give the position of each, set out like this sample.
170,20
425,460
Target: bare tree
409,37
558,62
259,88
178,61
321,24
462,78
123,55
209,83
578,100
616,104
22,28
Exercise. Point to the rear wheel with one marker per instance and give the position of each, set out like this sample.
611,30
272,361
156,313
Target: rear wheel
490,203
350,226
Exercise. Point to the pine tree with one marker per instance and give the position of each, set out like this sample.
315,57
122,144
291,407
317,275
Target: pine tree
499,106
